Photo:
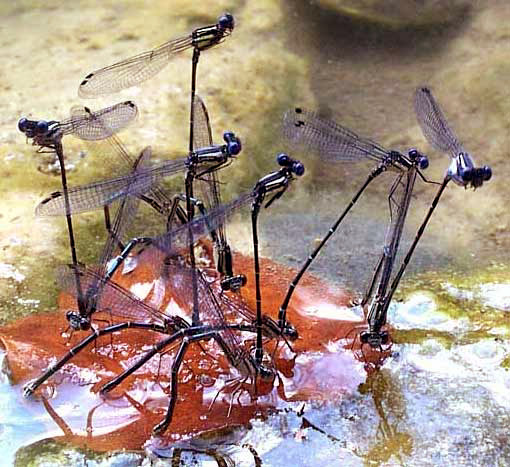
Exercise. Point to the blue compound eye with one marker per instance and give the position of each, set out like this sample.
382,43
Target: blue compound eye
283,159
233,143
413,154
486,172
226,21
42,126
424,162
22,124
228,136
234,147
298,168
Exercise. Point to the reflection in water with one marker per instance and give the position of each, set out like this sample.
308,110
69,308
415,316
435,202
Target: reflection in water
390,405
315,367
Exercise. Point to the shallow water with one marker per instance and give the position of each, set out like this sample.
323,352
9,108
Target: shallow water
441,399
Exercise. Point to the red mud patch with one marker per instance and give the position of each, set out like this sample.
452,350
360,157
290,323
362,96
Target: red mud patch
316,369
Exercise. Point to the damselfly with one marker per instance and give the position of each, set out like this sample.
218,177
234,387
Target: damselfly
86,125
139,68
462,171
335,143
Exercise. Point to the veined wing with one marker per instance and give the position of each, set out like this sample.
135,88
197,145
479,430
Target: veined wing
132,71
101,124
331,140
114,299
98,194
433,123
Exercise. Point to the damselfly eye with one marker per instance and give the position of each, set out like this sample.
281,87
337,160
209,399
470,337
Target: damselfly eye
233,143
413,154
486,172
228,136
423,162
234,147
283,159
298,168
22,124
226,21
42,126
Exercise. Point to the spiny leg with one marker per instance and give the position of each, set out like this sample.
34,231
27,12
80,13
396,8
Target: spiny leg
31,386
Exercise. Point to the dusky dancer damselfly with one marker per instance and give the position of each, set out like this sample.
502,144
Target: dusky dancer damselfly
462,171
336,143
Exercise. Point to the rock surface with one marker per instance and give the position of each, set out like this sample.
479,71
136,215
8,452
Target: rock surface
400,13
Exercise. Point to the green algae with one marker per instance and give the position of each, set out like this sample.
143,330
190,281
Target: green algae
483,318
51,452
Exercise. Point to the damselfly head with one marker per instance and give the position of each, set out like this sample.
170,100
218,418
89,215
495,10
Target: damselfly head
476,176
33,128
233,143
226,21
421,160
233,283
486,172
265,373
294,165
376,339
290,332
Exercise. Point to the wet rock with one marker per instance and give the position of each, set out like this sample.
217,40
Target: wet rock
399,13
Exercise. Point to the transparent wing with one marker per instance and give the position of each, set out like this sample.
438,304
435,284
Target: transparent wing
202,137
208,184
132,71
124,216
201,226
114,299
98,194
202,133
211,307
433,123
399,201
331,140
91,126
